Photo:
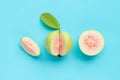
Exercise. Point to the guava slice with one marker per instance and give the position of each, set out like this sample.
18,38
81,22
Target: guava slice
30,46
91,42
58,43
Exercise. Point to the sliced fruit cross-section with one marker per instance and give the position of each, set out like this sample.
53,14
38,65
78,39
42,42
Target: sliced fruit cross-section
30,46
58,44
91,42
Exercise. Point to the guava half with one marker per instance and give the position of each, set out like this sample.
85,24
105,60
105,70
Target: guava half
58,43
91,42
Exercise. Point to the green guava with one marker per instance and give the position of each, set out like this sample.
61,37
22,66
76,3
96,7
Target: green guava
58,43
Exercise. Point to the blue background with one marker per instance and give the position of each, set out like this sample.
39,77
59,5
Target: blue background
20,18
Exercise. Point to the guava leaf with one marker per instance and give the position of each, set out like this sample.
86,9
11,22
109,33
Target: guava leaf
50,20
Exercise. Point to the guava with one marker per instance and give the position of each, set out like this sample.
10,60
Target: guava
91,42
30,46
58,43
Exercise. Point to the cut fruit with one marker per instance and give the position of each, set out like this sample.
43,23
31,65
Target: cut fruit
91,42
58,43
30,46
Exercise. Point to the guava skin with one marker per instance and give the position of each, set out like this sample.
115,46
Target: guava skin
66,43
91,42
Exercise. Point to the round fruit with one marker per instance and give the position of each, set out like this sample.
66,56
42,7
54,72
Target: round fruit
30,46
58,43
91,42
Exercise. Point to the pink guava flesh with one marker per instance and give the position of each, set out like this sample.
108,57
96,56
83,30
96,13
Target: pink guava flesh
92,42
58,45
29,46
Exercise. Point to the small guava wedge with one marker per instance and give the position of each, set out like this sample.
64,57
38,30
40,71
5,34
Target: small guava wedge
58,43
30,46
91,42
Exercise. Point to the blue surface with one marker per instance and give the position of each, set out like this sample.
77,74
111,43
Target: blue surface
20,18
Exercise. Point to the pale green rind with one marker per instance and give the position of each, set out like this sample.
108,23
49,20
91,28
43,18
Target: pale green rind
87,53
38,54
49,41
50,20
68,42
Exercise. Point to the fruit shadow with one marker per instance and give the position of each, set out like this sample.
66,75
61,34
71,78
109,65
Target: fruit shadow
33,57
47,57
79,54
46,26
52,58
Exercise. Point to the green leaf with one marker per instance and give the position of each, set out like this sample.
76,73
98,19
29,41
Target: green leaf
50,20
